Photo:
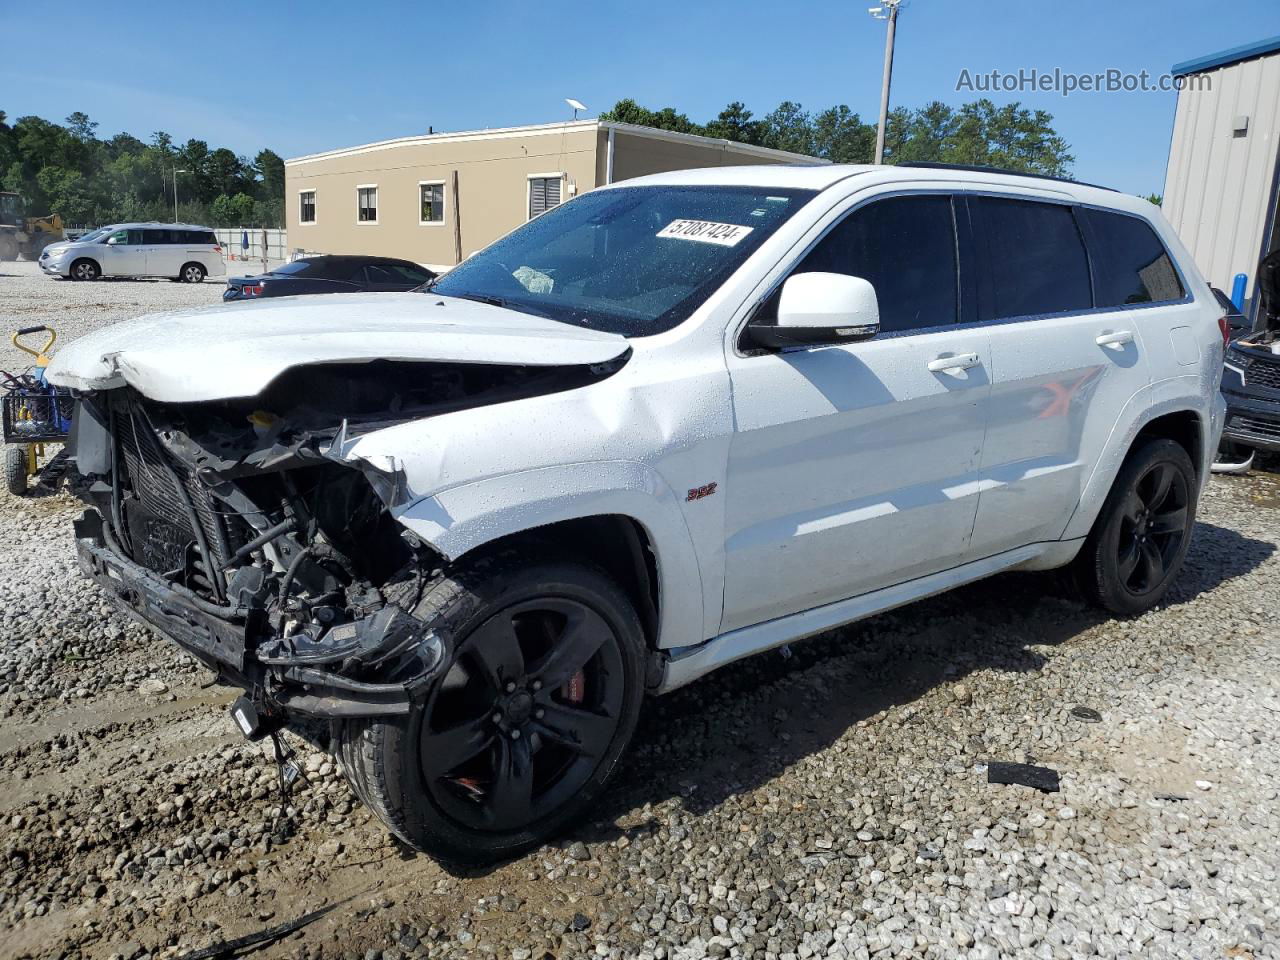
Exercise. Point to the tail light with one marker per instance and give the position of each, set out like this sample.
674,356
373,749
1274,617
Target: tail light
252,291
1225,327
218,250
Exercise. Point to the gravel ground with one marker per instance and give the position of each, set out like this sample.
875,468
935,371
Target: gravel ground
28,297
828,803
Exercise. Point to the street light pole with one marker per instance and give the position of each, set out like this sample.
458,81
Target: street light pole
176,171
887,11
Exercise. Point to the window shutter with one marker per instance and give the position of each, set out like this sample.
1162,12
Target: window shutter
544,193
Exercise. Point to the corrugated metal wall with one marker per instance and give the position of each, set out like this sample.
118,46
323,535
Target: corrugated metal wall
1218,188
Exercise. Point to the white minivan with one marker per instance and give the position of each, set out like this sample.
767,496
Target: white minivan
179,251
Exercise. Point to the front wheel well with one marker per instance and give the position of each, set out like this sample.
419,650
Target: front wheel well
617,544
1183,428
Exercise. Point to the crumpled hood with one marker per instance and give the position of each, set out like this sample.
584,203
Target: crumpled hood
236,350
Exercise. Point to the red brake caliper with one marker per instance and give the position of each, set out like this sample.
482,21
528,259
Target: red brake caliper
575,688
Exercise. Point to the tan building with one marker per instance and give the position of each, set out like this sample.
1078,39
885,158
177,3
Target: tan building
437,198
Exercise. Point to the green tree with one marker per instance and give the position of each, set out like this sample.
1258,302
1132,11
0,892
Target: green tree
66,169
269,168
789,127
735,123
628,111
841,136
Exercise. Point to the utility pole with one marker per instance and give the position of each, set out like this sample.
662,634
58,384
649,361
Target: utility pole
176,171
888,10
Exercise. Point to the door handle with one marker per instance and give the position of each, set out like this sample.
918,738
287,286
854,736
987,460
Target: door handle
1118,339
961,361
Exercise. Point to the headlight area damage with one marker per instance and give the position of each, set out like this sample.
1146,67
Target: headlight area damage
235,528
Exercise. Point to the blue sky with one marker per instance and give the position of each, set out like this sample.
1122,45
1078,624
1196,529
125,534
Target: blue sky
301,78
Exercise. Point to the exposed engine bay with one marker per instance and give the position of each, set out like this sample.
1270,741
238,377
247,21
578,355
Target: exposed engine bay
238,529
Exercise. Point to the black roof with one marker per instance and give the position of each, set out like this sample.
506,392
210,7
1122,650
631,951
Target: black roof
354,259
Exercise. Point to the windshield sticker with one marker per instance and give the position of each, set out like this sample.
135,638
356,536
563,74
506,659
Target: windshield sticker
705,231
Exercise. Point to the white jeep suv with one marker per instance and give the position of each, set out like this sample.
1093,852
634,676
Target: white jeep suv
669,424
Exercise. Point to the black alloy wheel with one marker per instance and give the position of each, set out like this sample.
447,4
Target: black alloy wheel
1153,527
531,705
520,735
1141,535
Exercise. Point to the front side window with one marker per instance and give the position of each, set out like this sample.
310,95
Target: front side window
367,204
307,206
544,193
1035,258
431,203
905,247
118,237
629,260
1131,265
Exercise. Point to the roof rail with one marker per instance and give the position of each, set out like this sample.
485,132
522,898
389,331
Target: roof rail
979,168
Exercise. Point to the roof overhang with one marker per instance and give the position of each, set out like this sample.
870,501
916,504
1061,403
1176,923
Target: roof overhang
1226,58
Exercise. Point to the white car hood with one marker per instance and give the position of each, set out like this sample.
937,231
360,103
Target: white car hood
236,350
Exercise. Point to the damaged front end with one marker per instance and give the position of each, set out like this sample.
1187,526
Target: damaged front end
238,529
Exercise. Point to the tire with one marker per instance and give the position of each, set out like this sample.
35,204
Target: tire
84,269
1141,536
15,469
192,273
493,712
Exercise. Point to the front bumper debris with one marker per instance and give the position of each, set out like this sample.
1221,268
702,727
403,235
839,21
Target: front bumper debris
282,677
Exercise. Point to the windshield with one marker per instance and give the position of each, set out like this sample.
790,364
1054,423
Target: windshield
95,236
631,260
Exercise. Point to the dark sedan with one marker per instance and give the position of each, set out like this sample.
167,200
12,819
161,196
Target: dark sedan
330,274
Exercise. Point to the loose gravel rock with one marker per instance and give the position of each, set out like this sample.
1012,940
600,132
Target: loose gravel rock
829,803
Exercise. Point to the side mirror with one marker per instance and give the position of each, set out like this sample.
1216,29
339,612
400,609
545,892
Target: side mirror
114,241
821,308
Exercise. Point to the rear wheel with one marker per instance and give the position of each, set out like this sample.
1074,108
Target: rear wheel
1141,536
15,469
522,732
84,270
192,273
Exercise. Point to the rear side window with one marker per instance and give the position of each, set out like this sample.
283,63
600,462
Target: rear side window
906,248
1035,258
1131,265
157,238
397,273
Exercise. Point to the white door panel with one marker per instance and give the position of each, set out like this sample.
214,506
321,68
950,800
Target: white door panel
1054,397
123,259
851,468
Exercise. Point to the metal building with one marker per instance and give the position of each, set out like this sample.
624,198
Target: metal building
437,198
1223,179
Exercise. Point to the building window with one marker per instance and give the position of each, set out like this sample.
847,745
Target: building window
307,206
430,203
367,204
544,193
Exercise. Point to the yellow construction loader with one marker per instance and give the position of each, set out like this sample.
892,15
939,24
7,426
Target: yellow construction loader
25,235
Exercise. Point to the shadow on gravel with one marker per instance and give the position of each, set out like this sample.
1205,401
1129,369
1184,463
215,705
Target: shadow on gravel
742,726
